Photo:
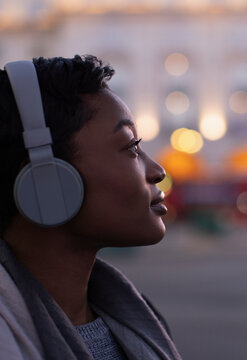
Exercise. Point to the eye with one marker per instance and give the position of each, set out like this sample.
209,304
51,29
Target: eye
134,148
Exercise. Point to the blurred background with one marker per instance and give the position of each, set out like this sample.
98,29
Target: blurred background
181,66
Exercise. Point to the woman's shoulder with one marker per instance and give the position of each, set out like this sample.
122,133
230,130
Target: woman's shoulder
18,337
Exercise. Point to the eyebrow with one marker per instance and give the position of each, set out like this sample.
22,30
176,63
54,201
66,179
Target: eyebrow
121,123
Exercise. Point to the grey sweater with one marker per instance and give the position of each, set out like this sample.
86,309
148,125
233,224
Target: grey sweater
100,341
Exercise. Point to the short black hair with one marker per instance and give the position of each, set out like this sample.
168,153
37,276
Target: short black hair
62,82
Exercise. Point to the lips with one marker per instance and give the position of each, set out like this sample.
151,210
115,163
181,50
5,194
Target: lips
157,206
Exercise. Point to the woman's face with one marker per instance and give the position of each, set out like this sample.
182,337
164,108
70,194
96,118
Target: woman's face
120,179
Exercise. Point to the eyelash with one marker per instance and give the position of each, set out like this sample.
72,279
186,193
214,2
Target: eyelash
134,147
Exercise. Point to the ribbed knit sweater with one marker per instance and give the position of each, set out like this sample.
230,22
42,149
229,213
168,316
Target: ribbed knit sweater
99,340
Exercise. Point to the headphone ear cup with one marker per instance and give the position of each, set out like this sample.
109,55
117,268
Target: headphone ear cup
49,194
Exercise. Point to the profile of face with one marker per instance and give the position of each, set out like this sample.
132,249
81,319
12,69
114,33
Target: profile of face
121,197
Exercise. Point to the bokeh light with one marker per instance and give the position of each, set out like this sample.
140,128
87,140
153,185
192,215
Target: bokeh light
238,102
176,64
177,102
186,140
166,184
68,6
237,162
242,202
182,166
212,124
148,126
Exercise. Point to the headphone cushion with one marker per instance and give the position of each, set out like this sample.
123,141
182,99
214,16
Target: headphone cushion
49,194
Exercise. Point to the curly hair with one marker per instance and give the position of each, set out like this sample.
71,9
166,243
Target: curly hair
62,83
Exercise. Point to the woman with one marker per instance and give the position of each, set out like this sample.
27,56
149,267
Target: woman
57,300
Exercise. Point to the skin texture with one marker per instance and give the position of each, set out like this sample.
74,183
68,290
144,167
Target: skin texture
120,181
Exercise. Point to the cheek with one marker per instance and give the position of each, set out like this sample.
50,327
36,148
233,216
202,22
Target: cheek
116,192
119,192
125,186
122,179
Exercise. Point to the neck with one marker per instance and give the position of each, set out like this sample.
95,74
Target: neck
62,263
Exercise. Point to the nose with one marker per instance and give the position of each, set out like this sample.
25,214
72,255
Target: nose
155,173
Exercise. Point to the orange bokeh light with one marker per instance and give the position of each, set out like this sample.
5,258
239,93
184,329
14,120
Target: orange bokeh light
182,166
237,162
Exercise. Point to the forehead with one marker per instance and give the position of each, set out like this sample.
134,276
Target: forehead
108,111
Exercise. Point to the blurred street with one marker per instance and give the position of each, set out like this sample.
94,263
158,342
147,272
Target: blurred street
198,282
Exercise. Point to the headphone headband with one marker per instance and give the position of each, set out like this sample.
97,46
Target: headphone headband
29,102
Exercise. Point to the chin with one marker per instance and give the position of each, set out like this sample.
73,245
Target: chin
146,236
149,236
154,239
157,232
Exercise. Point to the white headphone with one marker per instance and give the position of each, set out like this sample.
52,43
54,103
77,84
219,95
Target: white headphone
48,191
